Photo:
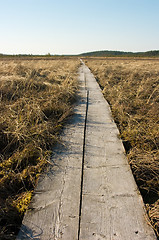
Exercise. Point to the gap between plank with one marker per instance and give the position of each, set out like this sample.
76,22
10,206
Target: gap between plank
82,171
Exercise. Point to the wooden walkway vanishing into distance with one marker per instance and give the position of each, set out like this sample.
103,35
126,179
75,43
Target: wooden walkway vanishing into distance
89,192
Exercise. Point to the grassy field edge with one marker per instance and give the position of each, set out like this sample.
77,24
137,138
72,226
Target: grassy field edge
37,97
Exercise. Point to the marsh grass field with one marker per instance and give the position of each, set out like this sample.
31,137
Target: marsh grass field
36,98
132,89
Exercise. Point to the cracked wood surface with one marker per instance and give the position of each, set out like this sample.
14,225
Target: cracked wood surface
111,206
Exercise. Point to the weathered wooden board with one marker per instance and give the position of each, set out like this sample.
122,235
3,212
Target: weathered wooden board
54,211
112,207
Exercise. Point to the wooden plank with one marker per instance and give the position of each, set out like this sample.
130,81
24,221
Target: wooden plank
112,207
54,211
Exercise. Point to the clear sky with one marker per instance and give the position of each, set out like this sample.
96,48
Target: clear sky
76,26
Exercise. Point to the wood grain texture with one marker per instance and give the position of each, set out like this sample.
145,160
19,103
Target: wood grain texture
112,208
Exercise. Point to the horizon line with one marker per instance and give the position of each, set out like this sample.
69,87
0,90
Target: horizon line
73,54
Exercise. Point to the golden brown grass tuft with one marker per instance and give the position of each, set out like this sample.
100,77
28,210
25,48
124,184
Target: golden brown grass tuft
132,89
36,98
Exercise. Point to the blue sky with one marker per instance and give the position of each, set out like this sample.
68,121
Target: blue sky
71,26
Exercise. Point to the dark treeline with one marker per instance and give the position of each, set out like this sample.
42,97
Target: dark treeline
31,56
25,55
121,54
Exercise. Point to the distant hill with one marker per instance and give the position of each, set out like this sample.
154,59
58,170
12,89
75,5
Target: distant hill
107,53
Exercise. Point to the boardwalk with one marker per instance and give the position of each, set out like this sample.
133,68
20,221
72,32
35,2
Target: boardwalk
89,192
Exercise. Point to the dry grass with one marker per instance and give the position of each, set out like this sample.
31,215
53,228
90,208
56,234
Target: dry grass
132,89
36,97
